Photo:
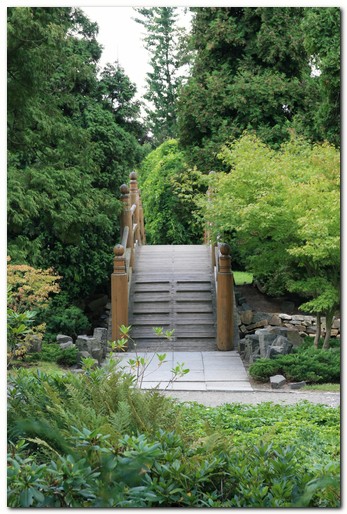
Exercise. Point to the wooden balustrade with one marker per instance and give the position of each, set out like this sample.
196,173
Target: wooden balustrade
132,233
225,298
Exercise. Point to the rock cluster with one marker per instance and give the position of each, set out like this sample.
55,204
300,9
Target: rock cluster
249,321
94,346
268,342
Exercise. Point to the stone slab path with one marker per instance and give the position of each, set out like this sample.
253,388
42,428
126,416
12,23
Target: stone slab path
208,371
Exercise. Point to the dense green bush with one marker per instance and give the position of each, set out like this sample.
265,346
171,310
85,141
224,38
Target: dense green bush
93,440
309,364
63,318
169,193
53,353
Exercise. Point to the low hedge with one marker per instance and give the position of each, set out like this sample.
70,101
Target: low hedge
309,364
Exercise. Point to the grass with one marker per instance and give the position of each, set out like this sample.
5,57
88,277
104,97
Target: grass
332,388
242,277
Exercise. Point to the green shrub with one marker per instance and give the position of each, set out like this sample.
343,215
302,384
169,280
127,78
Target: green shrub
93,440
308,364
53,353
62,318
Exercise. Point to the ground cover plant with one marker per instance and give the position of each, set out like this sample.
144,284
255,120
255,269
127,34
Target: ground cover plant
306,363
94,440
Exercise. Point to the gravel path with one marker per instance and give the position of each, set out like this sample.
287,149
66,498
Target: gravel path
214,398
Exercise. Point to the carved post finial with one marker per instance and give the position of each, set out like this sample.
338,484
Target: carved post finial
133,175
118,250
124,189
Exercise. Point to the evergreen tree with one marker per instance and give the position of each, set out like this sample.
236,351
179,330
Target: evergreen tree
162,41
69,147
321,27
251,72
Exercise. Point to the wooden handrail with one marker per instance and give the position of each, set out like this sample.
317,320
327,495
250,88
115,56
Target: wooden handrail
125,237
132,235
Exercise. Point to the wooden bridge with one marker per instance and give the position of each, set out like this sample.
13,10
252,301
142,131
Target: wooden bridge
185,289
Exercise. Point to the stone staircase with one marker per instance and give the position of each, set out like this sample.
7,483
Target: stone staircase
173,287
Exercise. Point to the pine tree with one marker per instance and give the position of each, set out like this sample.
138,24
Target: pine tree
163,82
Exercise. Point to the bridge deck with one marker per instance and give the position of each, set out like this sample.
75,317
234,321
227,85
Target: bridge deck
173,287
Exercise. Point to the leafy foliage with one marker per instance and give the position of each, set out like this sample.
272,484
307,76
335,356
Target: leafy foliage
252,71
310,364
169,191
72,139
53,353
162,41
65,453
282,208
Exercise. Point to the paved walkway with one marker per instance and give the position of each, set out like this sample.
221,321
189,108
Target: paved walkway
208,371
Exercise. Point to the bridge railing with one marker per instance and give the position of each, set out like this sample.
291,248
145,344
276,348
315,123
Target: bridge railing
132,231
224,281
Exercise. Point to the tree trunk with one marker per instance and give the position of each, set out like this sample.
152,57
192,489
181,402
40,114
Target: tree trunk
318,332
329,322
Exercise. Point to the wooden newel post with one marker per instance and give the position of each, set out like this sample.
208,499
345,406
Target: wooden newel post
225,301
126,220
119,293
134,199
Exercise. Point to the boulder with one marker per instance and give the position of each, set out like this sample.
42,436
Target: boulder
277,381
280,346
61,338
289,332
297,385
336,324
97,354
246,317
82,355
100,334
259,324
84,343
35,344
275,320
285,317
251,349
68,344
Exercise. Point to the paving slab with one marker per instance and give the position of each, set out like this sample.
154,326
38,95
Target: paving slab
209,371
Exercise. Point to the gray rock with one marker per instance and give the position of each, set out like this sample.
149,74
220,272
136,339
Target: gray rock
35,344
275,320
259,324
277,381
336,324
97,354
83,343
297,385
242,347
289,332
285,317
61,338
82,355
68,344
298,317
280,346
265,339
100,334
251,350
261,316
246,317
